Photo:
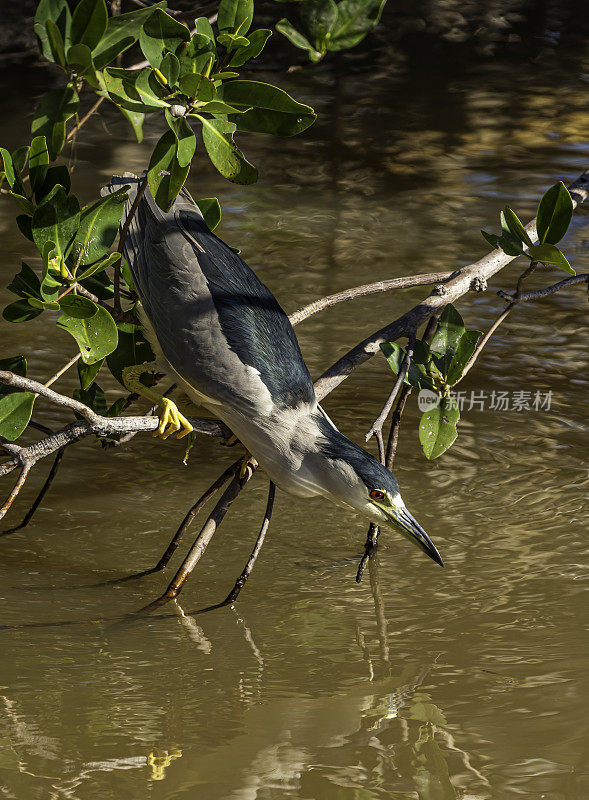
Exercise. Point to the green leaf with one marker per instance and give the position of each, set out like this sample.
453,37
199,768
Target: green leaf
89,22
355,18
20,311
160,33
549,254
449,332
58,12
318,18
210,208
204,28
92,327
165,187
185,139
99,225
38,162
7,166
26,283
515,226
235,16
197,55
491,238
116,408
79,57
149,89
554,214
437,428
56,220
55,43
217,108
416,374
296,37
24,225
257,42
93,397
15,413
54,176
43,305
54,110
217,135
170,69
132,349
23,202
99,266
16,364
274,111
121,86
19,159
135,119
464,350
50,280
232,40
196,86
122,32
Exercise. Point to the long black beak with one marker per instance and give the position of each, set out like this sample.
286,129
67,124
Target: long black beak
413,531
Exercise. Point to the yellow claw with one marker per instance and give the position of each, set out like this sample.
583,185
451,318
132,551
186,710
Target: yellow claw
172,421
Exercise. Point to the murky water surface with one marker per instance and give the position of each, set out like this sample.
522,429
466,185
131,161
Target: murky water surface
468,682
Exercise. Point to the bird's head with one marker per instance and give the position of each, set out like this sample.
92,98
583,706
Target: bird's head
351,476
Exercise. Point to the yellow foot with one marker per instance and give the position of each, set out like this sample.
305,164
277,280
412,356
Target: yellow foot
171,420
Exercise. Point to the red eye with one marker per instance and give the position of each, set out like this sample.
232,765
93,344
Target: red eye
376,494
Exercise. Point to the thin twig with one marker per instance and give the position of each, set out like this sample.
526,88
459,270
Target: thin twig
122,237
73,360
38,500
540,294
515,299
501,318
85,118
24,474
377,425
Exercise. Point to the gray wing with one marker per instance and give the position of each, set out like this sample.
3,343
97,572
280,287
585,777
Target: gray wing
218,325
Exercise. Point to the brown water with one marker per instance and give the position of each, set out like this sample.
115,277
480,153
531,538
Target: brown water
468,682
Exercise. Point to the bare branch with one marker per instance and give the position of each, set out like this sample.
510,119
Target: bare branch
29,385
376,427
539,294
122,238
478,272
38,500
24,474
365,290
515,299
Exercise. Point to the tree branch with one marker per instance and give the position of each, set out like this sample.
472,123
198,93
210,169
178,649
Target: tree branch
365,290
466,278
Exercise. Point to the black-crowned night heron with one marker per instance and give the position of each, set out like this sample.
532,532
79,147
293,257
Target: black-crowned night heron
228,345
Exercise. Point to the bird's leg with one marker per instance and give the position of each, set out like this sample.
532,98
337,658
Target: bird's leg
171,420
